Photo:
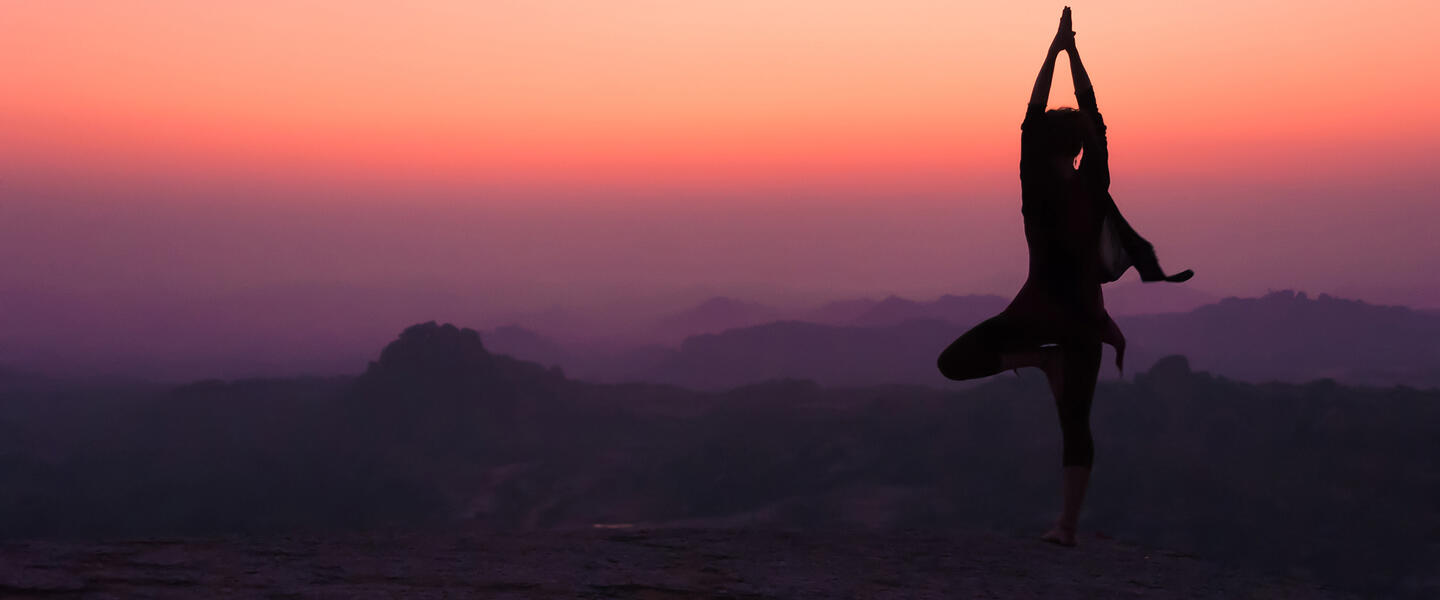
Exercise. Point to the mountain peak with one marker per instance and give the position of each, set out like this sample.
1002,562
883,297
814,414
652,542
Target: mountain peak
433,349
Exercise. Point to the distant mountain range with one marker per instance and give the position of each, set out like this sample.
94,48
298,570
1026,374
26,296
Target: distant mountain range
1283,336
955,309
834,355
716,314
1322,480
715,343
721,312
1290,336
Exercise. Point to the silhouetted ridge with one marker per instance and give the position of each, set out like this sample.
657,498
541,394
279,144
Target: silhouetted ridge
1140,298
1285,336
440,378
967,309
716,314
840,311
1175,365
1172,369
1298,304
435,350
1289,335
797,350
525,344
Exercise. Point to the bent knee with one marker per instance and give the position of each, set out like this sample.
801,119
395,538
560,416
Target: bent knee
949,369
961,368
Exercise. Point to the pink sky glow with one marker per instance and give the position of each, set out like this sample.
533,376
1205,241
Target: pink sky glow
538,153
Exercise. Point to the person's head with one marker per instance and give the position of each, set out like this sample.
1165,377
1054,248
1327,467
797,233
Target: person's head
1064,132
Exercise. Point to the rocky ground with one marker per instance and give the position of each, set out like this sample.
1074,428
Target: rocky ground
622,563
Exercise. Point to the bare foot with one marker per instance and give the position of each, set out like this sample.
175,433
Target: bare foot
1060,536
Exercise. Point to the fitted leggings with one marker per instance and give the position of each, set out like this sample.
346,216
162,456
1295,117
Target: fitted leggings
978,352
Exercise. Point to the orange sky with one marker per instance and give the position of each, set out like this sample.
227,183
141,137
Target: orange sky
1265,144
638,91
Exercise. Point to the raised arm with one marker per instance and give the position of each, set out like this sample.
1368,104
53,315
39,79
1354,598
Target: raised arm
1031,145
1077,71
1096,160
1064,38
1041,93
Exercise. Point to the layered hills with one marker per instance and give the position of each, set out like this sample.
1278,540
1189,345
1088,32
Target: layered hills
439,431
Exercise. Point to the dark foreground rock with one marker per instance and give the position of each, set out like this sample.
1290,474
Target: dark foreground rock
622,563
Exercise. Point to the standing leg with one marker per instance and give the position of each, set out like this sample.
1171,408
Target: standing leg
1074,394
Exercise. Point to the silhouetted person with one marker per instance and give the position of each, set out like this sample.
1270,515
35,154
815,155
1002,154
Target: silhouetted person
1077,240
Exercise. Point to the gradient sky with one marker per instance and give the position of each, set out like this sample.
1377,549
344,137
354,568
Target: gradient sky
543,152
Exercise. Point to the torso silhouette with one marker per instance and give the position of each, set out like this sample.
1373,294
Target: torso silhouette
1064,212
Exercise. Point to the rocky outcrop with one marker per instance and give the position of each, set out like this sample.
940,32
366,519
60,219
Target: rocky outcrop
432,350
